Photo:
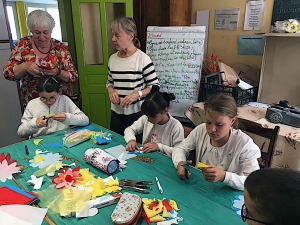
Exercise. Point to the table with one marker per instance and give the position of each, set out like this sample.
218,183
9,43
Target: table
200,202
287,149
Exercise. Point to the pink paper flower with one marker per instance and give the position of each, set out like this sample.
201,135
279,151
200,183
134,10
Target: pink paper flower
67,177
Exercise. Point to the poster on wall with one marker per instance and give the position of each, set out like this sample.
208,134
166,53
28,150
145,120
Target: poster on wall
177,55
254,15
227,19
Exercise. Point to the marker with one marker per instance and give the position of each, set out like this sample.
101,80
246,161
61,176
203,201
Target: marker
26,150
158,185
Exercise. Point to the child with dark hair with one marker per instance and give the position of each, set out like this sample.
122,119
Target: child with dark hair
160,130
34,121
231,154
272,196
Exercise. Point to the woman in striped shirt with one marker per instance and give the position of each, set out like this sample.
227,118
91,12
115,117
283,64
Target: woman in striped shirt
131,75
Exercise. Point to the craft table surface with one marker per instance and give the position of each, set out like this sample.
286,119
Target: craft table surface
287,149
200,202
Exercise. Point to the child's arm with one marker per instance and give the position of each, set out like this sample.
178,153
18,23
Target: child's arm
135,129
177,136
179,153
28,124
248,161
74,116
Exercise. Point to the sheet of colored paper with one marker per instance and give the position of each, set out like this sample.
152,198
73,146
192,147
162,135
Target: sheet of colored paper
118,150
32,215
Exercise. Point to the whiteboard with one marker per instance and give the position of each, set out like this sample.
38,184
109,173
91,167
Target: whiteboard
177,55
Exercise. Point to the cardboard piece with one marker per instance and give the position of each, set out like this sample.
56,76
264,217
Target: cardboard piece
280,73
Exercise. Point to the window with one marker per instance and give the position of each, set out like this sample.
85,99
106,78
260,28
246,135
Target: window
13,21
53,11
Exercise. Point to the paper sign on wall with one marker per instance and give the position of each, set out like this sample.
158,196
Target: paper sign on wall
254,15
227,19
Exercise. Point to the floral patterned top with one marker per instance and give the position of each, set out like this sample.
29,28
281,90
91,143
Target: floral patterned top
58,55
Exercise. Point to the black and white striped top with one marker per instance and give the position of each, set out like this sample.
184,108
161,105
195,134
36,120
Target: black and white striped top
128,75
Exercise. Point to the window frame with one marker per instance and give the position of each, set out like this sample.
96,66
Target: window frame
44,6
13,5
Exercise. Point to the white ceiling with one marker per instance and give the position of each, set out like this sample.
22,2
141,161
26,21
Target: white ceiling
36,1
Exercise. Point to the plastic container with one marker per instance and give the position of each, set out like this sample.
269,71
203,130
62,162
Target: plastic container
241,96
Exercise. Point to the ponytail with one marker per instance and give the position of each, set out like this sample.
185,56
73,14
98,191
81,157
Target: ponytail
156,102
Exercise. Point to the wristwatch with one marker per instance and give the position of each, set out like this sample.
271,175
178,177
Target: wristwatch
140,94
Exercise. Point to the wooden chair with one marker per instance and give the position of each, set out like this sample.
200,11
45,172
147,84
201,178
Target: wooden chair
76,98
268,133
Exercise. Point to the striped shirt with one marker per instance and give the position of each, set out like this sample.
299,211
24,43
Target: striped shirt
128,75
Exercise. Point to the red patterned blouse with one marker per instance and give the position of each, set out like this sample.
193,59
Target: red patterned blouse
59,55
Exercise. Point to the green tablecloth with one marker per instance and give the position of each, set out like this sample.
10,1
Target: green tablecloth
200,202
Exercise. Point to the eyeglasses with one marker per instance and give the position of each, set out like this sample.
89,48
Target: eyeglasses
244,215
51,99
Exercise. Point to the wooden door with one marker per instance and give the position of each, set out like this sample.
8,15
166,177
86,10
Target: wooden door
92,19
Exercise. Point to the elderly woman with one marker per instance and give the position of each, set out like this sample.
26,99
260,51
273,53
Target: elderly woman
38,55
131,75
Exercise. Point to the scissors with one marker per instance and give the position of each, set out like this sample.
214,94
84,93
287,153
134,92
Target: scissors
186,170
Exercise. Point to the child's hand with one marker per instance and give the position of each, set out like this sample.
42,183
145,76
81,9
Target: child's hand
41,122
150,147
213,173
181,170
131,146
61,117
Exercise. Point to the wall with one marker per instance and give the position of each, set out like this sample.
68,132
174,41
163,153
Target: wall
224,42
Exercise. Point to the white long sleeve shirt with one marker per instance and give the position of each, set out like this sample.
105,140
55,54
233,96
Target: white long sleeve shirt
238,157
171,136
36,108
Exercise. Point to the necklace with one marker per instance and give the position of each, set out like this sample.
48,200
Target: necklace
40,50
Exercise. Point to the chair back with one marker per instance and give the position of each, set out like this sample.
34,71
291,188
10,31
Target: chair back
268,133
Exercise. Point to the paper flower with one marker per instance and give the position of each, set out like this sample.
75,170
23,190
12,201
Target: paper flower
7,167
67,177
156,210
101,138
48,159
237,203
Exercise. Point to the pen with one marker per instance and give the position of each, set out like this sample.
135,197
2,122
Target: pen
158,185
26,150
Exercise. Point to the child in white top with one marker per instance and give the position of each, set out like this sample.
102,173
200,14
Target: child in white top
160,130
231,155
66,112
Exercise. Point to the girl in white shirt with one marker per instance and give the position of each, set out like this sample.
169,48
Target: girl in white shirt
230,154
160,130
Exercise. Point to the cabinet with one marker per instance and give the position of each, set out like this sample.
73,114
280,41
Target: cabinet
159,13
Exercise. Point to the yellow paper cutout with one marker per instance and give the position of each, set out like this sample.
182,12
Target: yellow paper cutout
110,181
87,178
38,158
147,201
49,169
165,213
157,219
49,115
174,205
112,189
201,165
37,141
